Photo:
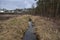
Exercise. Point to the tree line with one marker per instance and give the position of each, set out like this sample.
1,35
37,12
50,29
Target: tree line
49,8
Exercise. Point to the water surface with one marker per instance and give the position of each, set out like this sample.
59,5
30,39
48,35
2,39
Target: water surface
29,34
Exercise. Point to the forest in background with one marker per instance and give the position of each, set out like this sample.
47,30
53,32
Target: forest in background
48,8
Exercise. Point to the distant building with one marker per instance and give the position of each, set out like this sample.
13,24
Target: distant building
18,10
11,11
2,10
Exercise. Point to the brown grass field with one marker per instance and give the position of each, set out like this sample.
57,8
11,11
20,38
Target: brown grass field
15,27
46,29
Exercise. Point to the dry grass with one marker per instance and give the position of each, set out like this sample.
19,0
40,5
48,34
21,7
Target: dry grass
45,29
14,28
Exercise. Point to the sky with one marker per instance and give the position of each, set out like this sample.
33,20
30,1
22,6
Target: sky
13,4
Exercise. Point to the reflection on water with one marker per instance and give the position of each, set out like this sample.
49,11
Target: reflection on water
29,33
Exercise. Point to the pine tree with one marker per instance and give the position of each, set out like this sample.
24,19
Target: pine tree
48,8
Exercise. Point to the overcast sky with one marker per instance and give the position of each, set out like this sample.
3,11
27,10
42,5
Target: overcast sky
12,4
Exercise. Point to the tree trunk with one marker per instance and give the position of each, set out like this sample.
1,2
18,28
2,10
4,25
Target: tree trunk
57,9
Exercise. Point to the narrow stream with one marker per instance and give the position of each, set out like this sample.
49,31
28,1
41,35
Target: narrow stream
29,35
